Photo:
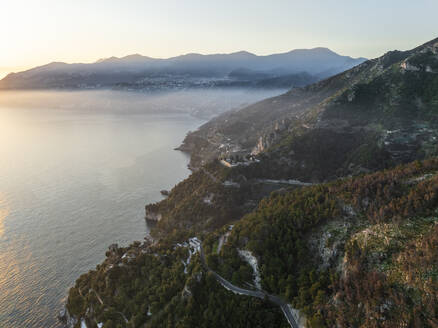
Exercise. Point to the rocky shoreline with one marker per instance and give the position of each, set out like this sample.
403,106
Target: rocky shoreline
152,217
66,319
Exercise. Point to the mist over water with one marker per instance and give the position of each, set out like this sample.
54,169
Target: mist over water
76,169
202,103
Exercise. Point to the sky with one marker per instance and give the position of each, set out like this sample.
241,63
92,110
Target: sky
36,32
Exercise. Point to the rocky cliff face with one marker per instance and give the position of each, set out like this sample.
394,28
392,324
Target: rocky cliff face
152,215
67,320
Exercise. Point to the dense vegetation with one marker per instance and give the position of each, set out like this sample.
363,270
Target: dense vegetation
284,228
333,154
342,252
210,198
151,287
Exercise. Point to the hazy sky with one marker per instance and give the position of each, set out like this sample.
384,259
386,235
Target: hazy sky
35,32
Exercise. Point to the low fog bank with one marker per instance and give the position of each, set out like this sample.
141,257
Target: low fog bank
203,104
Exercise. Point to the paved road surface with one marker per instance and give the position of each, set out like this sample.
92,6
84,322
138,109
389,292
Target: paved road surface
254,293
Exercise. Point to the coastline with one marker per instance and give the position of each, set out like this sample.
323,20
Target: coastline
151,219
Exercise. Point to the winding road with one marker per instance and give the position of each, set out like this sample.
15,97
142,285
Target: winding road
285,308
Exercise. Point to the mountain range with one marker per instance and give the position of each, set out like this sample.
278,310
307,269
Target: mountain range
300,67
324,198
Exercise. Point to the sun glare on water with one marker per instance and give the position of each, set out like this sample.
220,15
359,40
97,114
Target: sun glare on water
4,211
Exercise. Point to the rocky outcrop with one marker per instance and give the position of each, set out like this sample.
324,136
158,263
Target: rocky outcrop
164,192
152,215
66,319
405,65
272,135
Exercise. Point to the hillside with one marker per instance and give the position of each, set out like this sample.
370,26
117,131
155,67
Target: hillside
346,254
334,213
295,68
358,252
385,107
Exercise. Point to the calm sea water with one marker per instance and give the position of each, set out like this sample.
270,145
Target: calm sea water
76,170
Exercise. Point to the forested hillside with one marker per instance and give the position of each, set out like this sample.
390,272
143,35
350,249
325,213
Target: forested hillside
335,213
352,250
355,252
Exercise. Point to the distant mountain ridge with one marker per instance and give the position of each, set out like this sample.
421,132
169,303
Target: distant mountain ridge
138,71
